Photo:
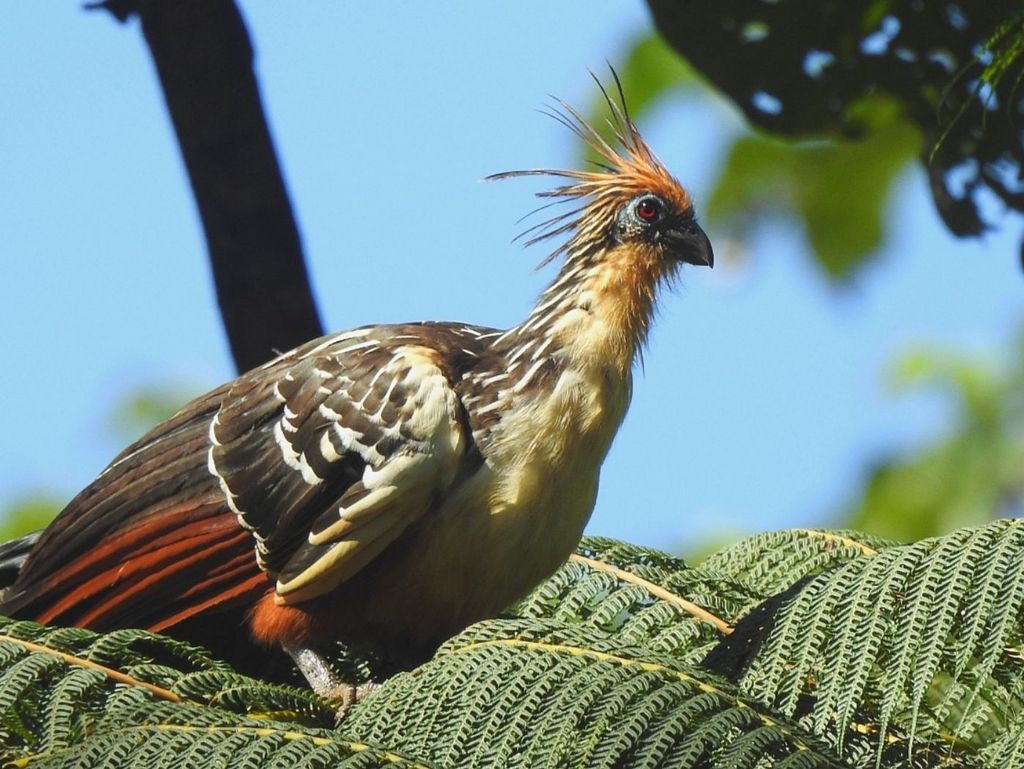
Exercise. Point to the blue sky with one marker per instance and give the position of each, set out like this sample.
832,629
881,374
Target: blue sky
763,395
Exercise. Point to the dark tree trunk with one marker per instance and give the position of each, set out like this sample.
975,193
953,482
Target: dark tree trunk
204,57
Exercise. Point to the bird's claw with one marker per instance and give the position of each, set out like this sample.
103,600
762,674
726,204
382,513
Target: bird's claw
325,683
348,695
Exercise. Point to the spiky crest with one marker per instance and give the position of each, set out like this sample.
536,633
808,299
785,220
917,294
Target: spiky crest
627,170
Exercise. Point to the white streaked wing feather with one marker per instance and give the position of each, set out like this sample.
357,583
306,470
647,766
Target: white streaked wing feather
399,488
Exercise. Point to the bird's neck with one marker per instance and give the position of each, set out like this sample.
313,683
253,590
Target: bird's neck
565,373
595,313
561,380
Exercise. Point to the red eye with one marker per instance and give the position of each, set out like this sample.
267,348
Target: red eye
648,209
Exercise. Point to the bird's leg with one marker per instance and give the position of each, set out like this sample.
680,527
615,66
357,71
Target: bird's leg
324,682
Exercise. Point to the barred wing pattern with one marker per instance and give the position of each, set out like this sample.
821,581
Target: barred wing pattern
350,446
323,455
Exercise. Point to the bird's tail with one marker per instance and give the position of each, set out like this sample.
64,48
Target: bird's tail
150,543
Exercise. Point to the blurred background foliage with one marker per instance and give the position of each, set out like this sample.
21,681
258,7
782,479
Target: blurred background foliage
765,179
970,474
806,68
861,91
130,418
898,86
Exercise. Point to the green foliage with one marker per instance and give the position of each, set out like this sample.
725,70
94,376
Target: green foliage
770,562
873,84
641,597
599,667
183,735
926,636
29,513
50,700
972,473
837,190
535,694
1005,47
804,68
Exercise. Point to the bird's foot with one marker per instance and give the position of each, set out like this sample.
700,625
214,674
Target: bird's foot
347,695
325,683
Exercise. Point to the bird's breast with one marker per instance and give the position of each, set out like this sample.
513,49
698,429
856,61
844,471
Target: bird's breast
500,531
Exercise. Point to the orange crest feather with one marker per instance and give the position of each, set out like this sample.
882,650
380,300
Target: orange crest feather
628,170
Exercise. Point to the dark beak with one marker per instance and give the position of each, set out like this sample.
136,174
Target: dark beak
689,243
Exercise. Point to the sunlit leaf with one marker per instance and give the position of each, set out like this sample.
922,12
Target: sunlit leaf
836,191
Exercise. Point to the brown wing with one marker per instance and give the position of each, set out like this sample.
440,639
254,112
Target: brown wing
322,457
369,433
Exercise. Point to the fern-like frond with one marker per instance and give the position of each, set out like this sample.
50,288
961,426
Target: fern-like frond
924,636
188,736
598,668
770,562
56,684
643,597
528,693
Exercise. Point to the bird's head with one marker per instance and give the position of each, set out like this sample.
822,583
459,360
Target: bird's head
630,202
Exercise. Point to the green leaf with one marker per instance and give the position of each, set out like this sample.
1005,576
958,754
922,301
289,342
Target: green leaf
769,563
641,596
837,191
185,736
599,669
802,69
58,685
526,693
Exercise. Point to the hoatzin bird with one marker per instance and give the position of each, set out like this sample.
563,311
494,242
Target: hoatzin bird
385,486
